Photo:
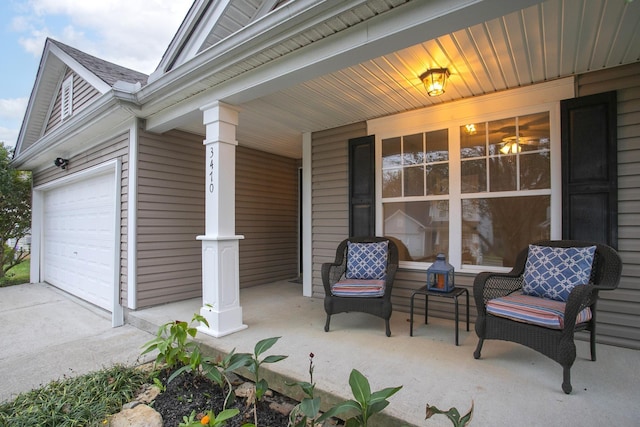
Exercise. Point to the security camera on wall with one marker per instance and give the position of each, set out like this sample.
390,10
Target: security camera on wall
61,163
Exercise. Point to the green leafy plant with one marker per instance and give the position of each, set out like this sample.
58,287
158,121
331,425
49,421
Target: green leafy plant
158,383
305,412
452,414
365,405
254,363
173,345
86,400
209,419
218,371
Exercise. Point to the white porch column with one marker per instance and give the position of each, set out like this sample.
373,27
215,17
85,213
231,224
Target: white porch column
220,248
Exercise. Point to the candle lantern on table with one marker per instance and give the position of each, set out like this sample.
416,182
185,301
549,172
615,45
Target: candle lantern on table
440,276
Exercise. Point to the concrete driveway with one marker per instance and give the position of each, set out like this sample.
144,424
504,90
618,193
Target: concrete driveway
47,335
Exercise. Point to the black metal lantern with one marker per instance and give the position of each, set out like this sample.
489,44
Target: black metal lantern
440,275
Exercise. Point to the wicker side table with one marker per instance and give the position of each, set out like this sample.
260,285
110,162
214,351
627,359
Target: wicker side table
455,293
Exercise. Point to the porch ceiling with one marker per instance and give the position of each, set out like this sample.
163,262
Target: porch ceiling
550,40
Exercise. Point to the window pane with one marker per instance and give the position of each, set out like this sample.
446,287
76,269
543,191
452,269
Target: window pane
474,176
438,178
534,132
502,173
413,149
414,181
391,152
535,171
495,230
473,140
391,183
500,133
438,145
421,229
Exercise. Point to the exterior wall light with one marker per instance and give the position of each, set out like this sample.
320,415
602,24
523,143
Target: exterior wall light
434,80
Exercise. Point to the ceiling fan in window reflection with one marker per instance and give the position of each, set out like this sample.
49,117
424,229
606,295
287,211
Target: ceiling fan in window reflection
531,133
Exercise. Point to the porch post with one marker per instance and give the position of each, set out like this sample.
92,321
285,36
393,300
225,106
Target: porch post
220,244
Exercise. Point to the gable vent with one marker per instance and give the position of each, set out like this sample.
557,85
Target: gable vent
67,98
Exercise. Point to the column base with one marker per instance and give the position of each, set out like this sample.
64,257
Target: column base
221,323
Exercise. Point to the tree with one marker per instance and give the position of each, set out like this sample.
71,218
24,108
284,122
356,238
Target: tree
15,210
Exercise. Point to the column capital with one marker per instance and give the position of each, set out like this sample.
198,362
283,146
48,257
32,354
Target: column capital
220,111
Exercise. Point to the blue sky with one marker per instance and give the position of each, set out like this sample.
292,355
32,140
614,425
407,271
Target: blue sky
131,33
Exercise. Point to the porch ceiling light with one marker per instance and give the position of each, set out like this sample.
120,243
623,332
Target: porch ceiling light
434,80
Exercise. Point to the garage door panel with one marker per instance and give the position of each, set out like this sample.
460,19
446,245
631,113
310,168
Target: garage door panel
78,241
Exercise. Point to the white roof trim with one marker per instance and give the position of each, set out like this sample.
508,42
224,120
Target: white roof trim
79,69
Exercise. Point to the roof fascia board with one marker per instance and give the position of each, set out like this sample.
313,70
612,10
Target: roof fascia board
98,113
210,19
80,69
280,25
401,27
188,25
46,62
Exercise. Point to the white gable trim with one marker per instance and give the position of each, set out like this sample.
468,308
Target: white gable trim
79,69
197,38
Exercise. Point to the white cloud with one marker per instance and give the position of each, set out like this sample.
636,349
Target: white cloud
8,136
13,108
131,33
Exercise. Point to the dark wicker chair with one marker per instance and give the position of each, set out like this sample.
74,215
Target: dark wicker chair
553,343
333,272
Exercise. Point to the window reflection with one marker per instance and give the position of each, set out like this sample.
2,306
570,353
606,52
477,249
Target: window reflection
494,230
420,229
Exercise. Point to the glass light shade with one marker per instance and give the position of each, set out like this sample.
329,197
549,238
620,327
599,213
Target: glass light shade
434,80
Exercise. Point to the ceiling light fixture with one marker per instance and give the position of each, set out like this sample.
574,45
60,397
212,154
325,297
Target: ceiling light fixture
434,80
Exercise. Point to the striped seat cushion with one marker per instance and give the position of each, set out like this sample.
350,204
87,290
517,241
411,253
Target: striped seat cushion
535,310
358,288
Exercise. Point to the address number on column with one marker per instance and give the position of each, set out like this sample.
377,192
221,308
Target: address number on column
211,170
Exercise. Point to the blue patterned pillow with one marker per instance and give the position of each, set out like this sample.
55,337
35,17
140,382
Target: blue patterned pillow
367,261
553,272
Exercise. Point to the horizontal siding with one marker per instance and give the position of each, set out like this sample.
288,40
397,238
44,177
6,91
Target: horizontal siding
83,94
170,209
115,148
171,214
330,194
619,310
267,216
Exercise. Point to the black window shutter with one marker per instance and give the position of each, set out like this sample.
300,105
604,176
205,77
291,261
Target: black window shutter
589,169
362,186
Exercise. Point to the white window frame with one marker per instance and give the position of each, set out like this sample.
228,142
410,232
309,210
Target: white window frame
66,98
517,102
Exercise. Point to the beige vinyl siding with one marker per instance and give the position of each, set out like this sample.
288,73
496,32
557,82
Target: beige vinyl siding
83,93
330,194
619,311
170,216
267,216
115,148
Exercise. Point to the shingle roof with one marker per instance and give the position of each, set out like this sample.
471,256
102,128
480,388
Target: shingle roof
109,72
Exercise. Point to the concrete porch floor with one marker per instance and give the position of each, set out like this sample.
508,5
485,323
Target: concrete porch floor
510,384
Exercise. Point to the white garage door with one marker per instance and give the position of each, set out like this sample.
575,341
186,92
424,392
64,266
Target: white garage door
78,239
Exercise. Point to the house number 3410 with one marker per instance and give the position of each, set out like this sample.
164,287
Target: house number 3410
211,170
